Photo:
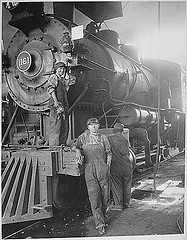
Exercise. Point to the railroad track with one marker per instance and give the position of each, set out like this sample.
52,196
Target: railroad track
140,157
16,229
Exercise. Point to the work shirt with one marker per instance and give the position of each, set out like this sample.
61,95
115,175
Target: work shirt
53,82
57,84
55,78
120,151
121,170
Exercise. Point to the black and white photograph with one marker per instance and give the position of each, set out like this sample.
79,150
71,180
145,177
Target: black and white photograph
93,119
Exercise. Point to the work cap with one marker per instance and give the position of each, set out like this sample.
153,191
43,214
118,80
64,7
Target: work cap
118,127
59,64
92,120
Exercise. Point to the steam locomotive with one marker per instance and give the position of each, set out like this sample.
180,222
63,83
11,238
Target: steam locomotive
111,84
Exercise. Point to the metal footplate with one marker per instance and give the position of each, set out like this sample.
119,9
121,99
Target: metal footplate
27,192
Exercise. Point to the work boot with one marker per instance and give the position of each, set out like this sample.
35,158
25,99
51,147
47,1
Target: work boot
101,230
116,208
126,205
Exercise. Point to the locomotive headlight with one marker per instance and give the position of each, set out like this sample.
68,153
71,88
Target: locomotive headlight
11,5
66,43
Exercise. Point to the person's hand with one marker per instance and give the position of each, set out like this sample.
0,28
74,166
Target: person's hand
109,159
78,156
59,110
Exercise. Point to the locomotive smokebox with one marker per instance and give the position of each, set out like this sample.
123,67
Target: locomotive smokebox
33,61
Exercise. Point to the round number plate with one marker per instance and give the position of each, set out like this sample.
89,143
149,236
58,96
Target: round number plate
23,61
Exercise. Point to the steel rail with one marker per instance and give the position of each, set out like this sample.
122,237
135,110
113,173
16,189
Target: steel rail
25,228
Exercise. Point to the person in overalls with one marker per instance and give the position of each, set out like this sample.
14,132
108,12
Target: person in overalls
58,85
121,168
97,160
58,121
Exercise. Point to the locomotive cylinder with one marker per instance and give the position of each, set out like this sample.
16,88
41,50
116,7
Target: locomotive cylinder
133,115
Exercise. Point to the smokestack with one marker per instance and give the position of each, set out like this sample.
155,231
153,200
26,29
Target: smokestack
64,10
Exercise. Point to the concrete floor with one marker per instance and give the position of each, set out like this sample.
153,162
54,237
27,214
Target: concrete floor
150,214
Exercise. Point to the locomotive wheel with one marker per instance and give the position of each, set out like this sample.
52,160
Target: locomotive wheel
71,191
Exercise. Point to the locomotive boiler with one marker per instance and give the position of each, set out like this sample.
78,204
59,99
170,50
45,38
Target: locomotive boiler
111,83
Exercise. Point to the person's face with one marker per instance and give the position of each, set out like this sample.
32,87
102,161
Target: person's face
93,127
60,71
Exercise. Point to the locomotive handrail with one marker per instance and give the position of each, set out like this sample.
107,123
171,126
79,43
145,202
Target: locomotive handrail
98,65
143,106
135,104
118,51
183,70
30,147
